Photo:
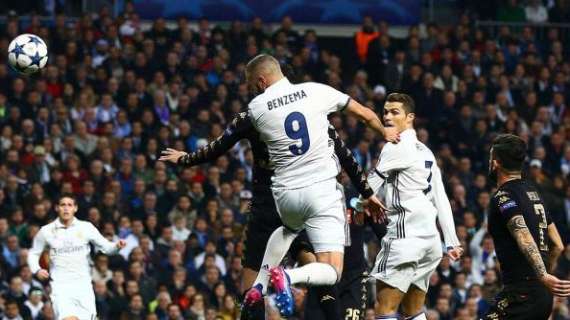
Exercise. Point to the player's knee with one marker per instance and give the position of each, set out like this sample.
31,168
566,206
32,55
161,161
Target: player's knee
387,299
305,257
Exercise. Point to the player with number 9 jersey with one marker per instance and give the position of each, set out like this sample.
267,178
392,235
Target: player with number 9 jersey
292,120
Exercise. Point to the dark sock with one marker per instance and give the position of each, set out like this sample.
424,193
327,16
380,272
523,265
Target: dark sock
329,302
255,312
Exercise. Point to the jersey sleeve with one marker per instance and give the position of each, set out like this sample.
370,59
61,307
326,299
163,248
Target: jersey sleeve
235,131
38,246
443,207
349,164
99,241
507,205
332,99
397,157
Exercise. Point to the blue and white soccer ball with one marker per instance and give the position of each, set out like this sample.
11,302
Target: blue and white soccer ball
27,53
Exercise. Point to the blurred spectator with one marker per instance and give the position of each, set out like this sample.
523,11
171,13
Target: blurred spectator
35,303
536,12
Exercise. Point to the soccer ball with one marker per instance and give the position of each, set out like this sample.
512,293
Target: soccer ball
27,53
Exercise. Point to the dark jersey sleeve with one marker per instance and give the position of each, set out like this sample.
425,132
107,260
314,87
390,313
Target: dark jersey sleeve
507,205
350,165
236,131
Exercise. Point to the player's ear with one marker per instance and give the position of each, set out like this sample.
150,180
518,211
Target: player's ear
261,83
411,117
495,164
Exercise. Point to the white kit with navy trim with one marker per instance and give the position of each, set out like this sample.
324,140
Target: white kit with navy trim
408,180
292,121
69,250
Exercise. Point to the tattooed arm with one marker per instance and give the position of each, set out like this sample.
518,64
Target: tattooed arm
524,239
520,232
555,248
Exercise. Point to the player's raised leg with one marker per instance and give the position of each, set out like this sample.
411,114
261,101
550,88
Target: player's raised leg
319,209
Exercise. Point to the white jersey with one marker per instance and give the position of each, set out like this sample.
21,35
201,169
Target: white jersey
292,121
68,252
408,179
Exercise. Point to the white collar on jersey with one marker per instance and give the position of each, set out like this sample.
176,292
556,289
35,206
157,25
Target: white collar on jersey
282,82
58,223
409,132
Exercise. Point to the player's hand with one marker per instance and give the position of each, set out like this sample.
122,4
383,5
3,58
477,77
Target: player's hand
121,244
171,155
455,253
358,218
43,275
558,287
391,134
375,209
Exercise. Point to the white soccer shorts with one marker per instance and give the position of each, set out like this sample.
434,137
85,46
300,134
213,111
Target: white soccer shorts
78,303
320,210
407,261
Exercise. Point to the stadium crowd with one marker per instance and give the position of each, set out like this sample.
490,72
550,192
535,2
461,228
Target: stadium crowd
112,97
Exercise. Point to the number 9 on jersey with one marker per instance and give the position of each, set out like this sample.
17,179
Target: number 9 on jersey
296,129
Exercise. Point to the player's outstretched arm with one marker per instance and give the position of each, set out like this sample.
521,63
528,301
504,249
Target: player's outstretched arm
210,152
370,118
518,229
349,164
555,248
34,254
445,215
106,246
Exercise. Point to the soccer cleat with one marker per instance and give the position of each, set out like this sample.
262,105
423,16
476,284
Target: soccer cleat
253,295
281,284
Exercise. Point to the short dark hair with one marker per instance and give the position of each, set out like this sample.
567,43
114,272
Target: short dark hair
510,151
12,301
407,101
67,195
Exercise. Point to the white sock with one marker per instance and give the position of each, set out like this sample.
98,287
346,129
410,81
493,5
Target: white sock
419,316
394,316
315,273
277,247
